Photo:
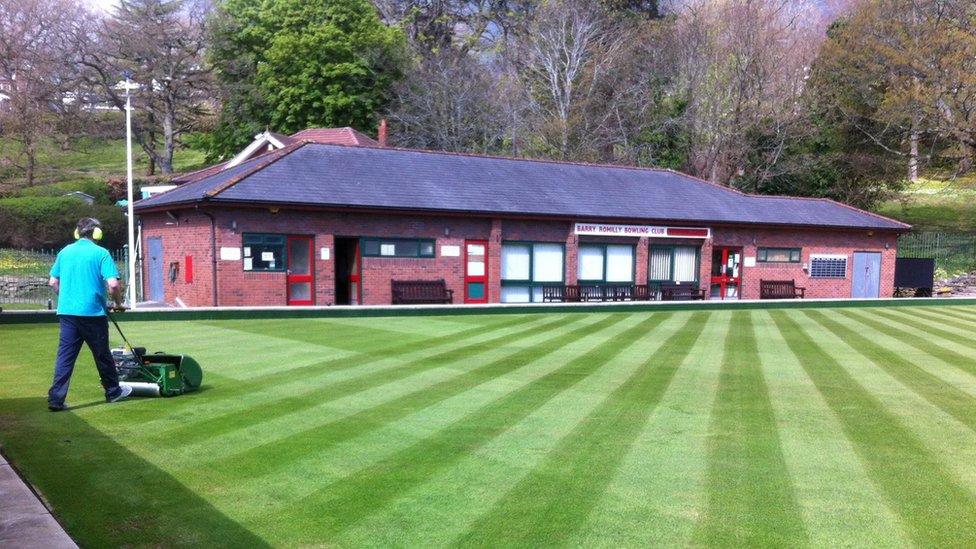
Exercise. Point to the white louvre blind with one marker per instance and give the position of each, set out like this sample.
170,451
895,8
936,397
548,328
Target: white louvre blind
685,264
590,263
828,266
547,265
660,264
515,262
620,263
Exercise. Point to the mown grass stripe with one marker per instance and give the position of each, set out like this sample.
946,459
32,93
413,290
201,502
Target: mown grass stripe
279,454
750,501
912,339
368,355
554,500
968,313
948,317
342,504
929,328
211,427
930,387
934,508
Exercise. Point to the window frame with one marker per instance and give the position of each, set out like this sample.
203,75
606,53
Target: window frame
529,281
762,253
395,240
671,248
604,282
835,257
284,252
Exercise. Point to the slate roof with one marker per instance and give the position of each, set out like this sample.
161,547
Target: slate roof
311,174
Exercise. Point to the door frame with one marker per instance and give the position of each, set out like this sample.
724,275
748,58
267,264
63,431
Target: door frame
854,272
483,279
724,281
296,278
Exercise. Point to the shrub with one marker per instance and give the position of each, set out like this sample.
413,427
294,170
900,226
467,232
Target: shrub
48,222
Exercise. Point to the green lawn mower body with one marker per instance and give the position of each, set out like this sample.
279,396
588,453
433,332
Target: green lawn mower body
157,374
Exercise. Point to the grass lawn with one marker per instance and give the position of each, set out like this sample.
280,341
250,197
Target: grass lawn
936,205
852,427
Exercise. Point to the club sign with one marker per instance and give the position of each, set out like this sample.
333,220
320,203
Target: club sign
603,229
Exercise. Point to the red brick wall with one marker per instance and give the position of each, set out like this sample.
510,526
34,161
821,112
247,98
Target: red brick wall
191,236
810,242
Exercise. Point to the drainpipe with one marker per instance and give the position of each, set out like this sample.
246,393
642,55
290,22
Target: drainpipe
213,253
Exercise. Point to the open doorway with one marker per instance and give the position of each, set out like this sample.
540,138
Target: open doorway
348,277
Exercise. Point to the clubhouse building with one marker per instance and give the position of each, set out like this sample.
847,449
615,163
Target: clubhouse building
333,217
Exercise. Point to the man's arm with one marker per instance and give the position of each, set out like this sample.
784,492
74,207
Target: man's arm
55,284
115,291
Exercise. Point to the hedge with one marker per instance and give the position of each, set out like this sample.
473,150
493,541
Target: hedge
48,222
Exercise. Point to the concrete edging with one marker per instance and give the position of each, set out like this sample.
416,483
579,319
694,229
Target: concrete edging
25,522
230,313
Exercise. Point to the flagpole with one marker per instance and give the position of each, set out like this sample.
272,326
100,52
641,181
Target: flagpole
131,286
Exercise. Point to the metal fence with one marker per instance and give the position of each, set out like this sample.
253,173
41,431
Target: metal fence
954,253
24,277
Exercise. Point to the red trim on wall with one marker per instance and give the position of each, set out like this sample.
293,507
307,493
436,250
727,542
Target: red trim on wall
691,233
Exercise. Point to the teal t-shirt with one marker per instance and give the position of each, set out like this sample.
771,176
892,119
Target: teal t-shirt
83,268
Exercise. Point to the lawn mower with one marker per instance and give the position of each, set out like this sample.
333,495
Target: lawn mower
157,374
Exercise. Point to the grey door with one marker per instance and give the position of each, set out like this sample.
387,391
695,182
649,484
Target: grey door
154,272
867,275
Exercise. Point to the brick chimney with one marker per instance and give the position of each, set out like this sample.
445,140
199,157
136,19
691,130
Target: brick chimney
381,137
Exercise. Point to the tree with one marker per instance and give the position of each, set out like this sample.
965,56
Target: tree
37,71
563,57
449,102
904,74
160,43
292,64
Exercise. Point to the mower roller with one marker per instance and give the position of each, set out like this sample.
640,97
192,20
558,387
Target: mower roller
157,374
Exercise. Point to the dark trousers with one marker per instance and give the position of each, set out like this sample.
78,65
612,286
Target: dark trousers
75,330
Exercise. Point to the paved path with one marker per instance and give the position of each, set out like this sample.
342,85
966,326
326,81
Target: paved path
24,521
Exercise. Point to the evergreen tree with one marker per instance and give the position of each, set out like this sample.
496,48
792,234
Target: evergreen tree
292,64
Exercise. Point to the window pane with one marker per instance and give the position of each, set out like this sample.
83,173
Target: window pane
685,264
515,262
828,267
371,247
267,252
537,294
515,294
298,257
590,263
547,263
620,263
407,248
427,249
660,264
779,255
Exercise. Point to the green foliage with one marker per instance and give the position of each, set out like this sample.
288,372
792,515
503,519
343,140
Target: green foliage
291,64
48,222
95,187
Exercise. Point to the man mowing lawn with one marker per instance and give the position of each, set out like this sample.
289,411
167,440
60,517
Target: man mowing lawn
79,277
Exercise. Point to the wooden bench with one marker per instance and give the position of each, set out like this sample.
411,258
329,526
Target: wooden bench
780,289
406,292
613,292
681,292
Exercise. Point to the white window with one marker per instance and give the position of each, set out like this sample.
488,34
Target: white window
672,264
828,266
547,263
516,261
685,264
620,263
527,267
590,263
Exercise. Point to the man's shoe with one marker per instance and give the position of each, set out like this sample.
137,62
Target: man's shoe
56,407
124,392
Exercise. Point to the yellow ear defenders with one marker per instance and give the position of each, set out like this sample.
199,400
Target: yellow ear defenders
96,234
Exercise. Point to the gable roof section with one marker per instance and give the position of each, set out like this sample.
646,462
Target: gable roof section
400,179
336,136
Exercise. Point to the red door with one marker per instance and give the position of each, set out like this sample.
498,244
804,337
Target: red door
300,277
476,271
726,273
